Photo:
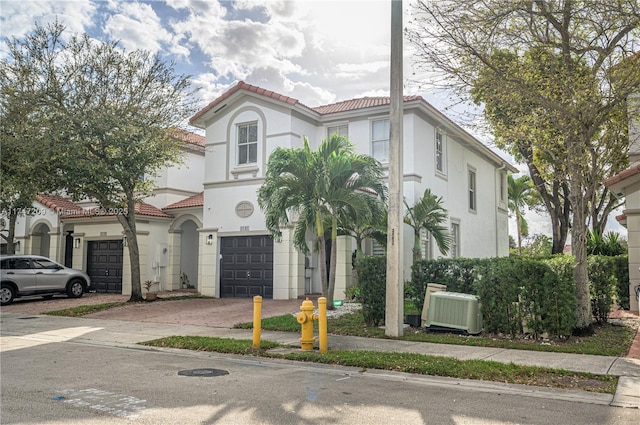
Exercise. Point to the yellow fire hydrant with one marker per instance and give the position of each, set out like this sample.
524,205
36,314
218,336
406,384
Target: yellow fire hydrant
306,319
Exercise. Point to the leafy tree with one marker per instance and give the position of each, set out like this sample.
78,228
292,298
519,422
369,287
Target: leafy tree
372,227
313,188
567,67
428,213
108,117
24,171
522,194
538,245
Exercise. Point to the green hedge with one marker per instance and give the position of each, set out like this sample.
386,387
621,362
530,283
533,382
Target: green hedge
517,294
372,280
621,266
514,291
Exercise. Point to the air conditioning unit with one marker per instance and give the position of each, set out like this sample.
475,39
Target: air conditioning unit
454,311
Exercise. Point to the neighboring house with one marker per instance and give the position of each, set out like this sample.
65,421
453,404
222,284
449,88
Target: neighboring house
83,236
627,184
244,125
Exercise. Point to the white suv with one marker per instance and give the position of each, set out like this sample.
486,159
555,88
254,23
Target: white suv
23,275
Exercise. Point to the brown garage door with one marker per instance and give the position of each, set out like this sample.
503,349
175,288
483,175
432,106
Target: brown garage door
104,265
247,266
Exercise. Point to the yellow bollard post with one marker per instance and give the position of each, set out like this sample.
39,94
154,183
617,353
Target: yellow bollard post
257,321
322,325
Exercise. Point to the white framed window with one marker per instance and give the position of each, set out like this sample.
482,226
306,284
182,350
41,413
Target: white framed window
473,206
378,249
247,143
503,188
455,239
380,140
340,130
441,152
425,244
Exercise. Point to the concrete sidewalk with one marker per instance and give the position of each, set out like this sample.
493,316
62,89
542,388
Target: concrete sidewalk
19,330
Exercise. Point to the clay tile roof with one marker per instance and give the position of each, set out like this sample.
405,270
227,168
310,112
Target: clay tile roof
189,137
621,217
142,208
250,88
623,175
192,201
364,102
58,203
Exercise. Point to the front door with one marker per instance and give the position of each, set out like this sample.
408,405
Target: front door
104,265
247,266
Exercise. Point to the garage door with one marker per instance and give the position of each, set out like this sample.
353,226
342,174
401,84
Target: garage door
104,265
247,266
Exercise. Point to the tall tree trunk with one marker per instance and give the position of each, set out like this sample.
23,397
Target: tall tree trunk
332,263
579,203
518,218
128,223
417,251
323,254
11,232
556,202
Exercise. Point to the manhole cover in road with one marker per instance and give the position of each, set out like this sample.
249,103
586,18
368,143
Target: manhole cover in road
203,372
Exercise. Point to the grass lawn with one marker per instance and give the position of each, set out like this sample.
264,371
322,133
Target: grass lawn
608,339
406,362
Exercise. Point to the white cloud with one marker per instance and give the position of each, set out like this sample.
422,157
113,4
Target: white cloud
136,26
19,17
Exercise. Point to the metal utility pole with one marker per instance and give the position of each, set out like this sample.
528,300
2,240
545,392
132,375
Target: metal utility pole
395,261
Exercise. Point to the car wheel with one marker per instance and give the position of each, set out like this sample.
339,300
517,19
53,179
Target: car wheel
7,294
75,289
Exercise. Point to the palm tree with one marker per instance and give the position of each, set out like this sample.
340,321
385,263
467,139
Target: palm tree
522,193
333,184
429,214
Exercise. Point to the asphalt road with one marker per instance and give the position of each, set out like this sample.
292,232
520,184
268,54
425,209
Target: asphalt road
78,383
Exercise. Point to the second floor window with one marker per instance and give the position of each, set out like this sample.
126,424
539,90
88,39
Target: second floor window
247,143
380,140
440,149
472,190
340,130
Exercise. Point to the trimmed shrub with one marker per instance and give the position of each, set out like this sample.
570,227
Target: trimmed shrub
372,280
560,297
602,285
621,266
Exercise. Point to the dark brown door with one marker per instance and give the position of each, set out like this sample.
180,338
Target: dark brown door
247,266
104,265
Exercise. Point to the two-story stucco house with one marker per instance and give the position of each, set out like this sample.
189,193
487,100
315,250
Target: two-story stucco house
80,235
245,124
627,184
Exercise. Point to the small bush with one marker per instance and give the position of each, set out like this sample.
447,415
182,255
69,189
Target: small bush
602,286
372,280
621,266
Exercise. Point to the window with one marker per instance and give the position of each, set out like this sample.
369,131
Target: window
440,152
340,130
380,140
247,143
378,249
45,264
16,264
425,244
455,240
503,187
472,190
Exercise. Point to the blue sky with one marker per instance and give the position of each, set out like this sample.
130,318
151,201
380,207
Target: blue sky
318,52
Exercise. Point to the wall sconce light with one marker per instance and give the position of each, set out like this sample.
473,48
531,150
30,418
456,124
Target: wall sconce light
210,240
16,247
124,241
76,243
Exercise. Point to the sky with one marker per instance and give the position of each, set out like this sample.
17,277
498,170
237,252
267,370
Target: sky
316,51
